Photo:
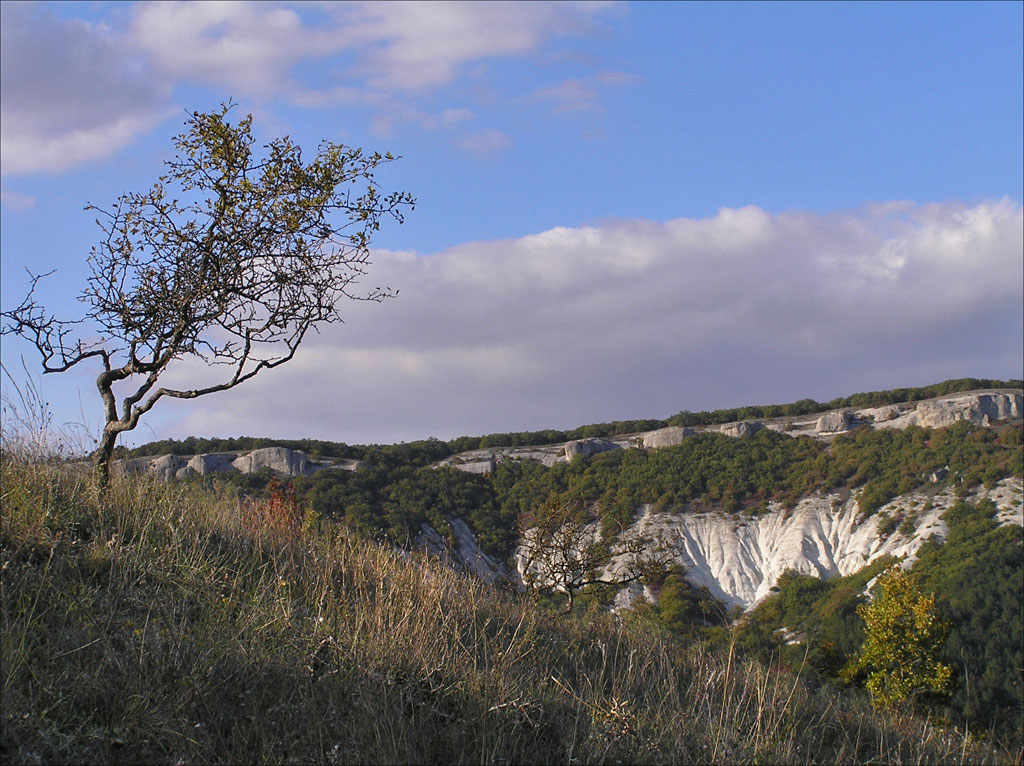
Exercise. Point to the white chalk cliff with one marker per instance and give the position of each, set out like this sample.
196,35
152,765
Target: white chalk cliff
739,558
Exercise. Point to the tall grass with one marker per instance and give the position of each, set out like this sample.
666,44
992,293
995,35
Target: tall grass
167,623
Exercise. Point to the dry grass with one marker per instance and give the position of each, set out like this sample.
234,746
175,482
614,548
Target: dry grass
162,623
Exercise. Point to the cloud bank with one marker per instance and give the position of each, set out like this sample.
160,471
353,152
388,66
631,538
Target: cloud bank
78,91
71,92
639,318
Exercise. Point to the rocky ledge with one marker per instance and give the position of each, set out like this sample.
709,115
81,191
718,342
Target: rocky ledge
982,408
279,460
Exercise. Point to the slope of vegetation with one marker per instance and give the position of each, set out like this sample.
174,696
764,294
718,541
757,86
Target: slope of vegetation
976,576
391,500
171,623
399,492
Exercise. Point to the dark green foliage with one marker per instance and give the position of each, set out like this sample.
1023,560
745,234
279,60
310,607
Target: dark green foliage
414,453
394,503
707,468
685,607
977,576
887,525
892,462
818,616
712,470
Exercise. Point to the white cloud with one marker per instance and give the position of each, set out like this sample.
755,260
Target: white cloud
26,151
416,45
446,118
384,47
580,94
483,144
642,319
71,93
17,201
249,47
573,95
75,91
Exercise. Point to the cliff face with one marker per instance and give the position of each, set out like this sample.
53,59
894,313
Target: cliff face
739,559
980,409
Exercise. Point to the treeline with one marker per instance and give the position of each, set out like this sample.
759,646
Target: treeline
713,471
856,401
193,445
423,451
976,576
416,453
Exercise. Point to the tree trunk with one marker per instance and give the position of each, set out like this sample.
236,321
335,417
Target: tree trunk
102,458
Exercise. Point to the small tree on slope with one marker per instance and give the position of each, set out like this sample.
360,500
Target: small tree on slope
562,552
229,258
904,635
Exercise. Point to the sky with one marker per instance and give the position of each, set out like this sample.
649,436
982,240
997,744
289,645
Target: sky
623,210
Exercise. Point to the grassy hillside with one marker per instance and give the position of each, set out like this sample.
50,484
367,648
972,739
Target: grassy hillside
174,623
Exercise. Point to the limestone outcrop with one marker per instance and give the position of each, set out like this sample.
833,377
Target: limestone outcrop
165,466
980,409
588,447
741,429
278,459
833,422
666,437
477,466
881,414
213,462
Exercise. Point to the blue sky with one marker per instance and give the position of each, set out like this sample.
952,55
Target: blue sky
624,210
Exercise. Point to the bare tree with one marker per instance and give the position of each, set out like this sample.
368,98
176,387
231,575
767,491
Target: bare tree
562,550
230,258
